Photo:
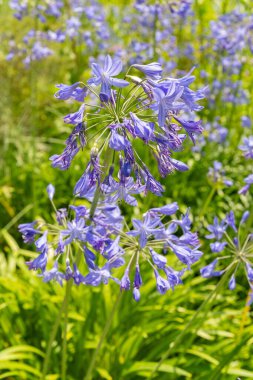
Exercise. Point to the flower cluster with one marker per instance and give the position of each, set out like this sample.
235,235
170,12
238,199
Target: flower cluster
150,112
105,245
236,246
247,148
92,245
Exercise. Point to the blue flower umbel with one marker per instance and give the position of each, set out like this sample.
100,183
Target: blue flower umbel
233,248
115,121
103,239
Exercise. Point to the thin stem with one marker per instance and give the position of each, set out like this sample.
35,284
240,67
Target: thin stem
192,321
64,308
207,202
64,344
54,332
102,338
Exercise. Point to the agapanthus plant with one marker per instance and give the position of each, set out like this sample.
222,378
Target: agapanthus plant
121,114
93,249
233,249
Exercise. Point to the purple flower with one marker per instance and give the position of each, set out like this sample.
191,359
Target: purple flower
249,272
140,128
245,217
209,270
247,147
173,277
137,294
218,247
28,231
165,101
159,260
144,228
249,181
76,231
162,285
152,70
246,121
50,191
151,184
39,263
104,76
118,142
191,127
41,243
230,219
125,281
169,209
217,230
184,222
73,91
77,276
53,274
232,283
137,277
76,117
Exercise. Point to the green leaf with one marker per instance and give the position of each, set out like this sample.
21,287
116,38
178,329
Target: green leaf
144,369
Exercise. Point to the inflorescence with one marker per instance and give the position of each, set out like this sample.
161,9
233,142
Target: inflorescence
116,115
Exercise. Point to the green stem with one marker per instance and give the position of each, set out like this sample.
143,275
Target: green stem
54,332
154,31
209,300
63,309
207,202
102,338
64,345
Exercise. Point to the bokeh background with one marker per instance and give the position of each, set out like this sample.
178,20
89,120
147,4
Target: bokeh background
54,41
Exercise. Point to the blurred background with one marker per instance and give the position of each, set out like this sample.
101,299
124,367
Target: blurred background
44,43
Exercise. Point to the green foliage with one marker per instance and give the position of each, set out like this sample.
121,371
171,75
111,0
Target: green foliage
218,344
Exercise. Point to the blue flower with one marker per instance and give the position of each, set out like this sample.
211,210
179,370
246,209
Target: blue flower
165,100
104,76
76,117
159,260
232,283
247,147
39,263
246,121
140,128
41,243
53,274
50,191
162,285
152,70
76,231
125,281
249,181
217,230
28,231
191,127
118,142
169,209
144,228
73,91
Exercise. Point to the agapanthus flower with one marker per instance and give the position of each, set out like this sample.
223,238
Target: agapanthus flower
249,181
247,147
119,120
235,243
246,121
151,70
216,174
104,76
103,239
